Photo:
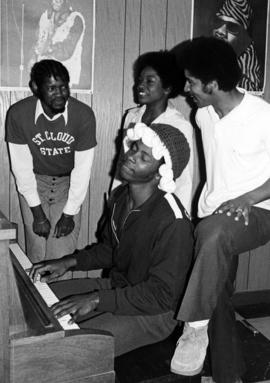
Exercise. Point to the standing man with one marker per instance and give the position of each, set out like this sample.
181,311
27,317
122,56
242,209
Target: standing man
234,205
231,24
60,37
51,139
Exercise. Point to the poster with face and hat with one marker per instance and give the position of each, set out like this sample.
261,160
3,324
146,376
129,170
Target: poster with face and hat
243,24
62,30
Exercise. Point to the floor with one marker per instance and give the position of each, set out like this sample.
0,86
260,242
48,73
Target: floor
151,364
256,319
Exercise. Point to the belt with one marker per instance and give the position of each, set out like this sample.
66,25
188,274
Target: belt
54,175
61,175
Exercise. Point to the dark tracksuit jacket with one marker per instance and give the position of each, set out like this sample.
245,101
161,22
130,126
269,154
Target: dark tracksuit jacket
149,255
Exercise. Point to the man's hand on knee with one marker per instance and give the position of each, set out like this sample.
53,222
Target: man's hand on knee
237,207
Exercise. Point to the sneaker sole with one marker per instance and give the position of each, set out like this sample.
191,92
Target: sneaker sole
187,373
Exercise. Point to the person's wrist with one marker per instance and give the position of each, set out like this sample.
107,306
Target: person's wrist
70,261
95,300
67,215
38,213
251,199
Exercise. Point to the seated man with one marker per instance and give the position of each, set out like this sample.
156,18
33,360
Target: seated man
147,243
234,205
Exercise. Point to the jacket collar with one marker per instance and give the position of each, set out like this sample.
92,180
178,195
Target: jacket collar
121,198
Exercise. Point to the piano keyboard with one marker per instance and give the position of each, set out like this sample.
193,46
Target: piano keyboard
47,294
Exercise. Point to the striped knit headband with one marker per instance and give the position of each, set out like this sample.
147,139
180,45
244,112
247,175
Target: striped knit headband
240,10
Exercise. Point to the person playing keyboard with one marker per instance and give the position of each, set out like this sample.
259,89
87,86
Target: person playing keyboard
146,246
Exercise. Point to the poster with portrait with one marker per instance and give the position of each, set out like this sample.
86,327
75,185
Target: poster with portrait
62,30
243,23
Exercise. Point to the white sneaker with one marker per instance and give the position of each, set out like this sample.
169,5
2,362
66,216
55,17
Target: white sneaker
190,352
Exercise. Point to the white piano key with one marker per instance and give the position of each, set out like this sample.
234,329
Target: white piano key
50,298
21,257
45,291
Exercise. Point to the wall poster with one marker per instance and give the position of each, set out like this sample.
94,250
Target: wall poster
63,30
243,23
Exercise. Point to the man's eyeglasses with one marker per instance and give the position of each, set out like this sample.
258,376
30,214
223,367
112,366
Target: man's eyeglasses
232,28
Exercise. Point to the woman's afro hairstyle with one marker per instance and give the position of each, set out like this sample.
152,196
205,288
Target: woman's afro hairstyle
164,63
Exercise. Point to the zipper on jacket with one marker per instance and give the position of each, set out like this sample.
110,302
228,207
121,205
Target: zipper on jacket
122,227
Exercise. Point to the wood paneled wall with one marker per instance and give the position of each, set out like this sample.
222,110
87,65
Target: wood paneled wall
124,29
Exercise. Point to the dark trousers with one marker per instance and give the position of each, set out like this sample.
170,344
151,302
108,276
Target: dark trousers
225,349
129,331
219,240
